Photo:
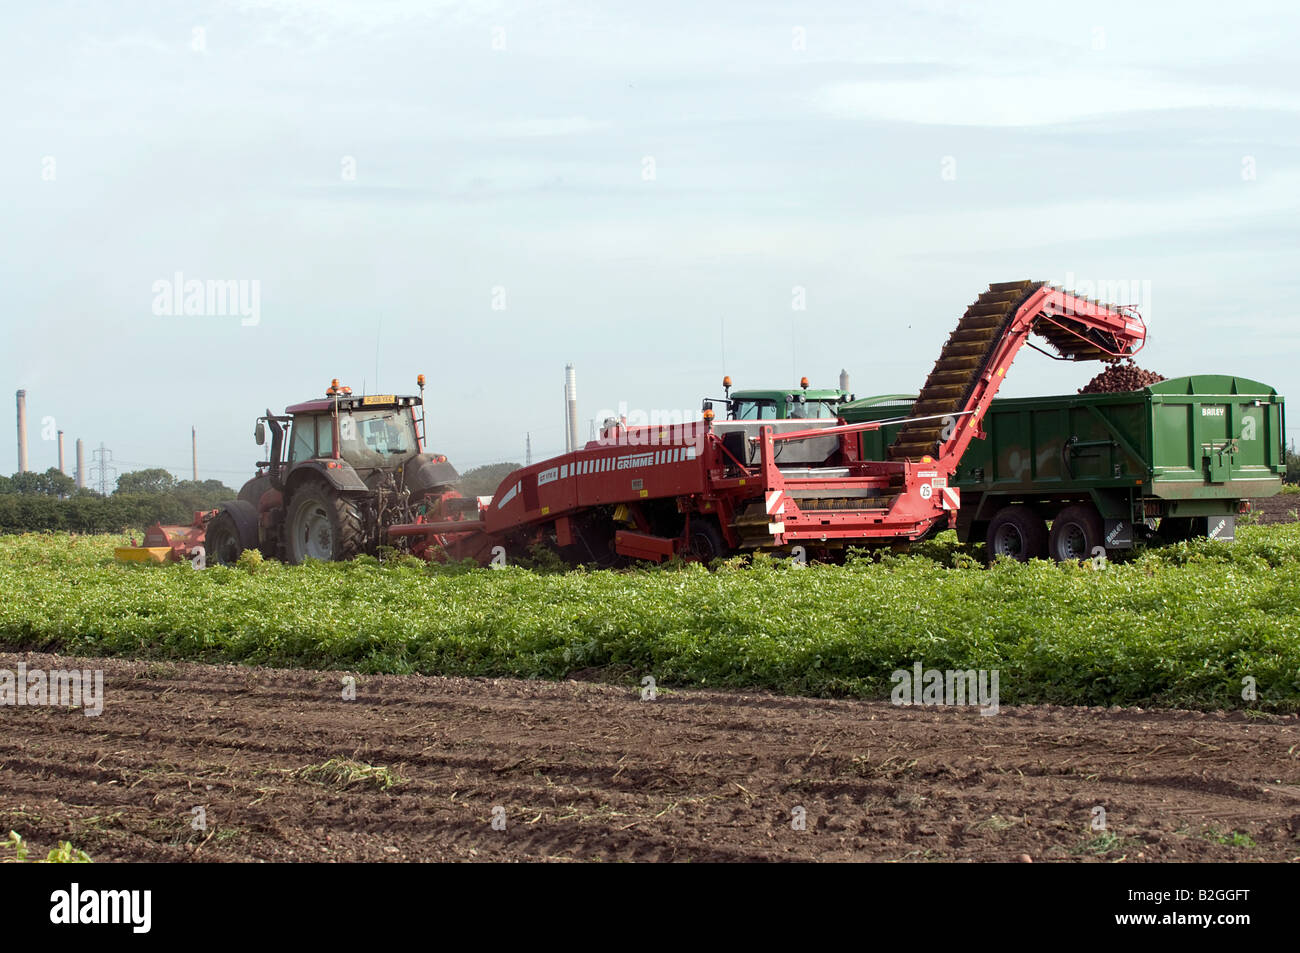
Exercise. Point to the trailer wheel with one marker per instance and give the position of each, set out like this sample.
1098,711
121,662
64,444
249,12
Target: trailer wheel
221,540
1018,532
1076,532
706,543
321,524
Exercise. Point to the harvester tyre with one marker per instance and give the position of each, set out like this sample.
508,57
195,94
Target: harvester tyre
322,524
221,540
705,542
1018,532
1076,532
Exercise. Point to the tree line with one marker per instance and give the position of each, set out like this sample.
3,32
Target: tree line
32,502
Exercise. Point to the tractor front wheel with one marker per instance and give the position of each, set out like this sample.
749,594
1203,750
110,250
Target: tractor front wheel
322,524
221,540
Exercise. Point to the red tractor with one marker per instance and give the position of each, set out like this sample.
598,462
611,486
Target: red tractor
341,469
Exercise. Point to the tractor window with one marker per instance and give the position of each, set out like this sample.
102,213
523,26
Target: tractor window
814,409
755,410
307,442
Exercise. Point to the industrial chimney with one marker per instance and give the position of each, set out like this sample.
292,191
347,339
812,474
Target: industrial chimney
22,431
571,407
844,380
81,465
194,451
61,470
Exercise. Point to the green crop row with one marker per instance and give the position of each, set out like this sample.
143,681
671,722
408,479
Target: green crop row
1188,625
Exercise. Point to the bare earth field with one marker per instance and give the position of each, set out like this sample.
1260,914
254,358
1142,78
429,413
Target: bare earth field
1277,509
587,771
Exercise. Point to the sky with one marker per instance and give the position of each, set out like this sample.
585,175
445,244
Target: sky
660,194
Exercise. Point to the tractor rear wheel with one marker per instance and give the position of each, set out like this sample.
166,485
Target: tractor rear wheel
322,524
221,540
1018,532
1076,532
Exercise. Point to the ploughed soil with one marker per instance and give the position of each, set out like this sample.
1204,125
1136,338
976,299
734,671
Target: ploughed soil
587,771
1282,508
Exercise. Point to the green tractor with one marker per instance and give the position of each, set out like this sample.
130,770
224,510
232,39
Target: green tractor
340,470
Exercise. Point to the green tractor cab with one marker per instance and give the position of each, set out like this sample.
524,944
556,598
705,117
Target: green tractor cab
793,403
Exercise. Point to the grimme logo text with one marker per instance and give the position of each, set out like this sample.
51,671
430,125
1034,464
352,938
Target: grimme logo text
933,687
56,688
75,905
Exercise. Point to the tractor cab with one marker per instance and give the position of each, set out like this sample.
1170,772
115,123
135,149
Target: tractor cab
798,408
796,403
353,439
367,436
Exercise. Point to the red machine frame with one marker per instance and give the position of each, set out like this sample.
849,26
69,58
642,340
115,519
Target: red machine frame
903,499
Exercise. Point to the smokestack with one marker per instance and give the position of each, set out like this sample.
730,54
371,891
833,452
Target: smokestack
571,406
81,465
61,470
194,451
844,380
22,431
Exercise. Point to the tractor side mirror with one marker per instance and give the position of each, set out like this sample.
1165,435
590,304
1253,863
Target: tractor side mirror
259,433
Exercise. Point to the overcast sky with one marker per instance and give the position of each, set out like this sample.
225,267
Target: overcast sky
484,191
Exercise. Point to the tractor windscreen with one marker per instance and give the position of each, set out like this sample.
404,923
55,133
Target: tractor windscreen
813,409
376,438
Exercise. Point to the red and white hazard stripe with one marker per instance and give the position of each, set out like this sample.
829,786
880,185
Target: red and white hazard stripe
775,503
951,497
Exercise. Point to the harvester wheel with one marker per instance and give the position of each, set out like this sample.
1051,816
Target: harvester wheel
221,540
1076,532
706,543
321,524
1018,532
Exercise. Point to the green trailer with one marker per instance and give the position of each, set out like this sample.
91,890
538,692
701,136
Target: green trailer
1072,476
